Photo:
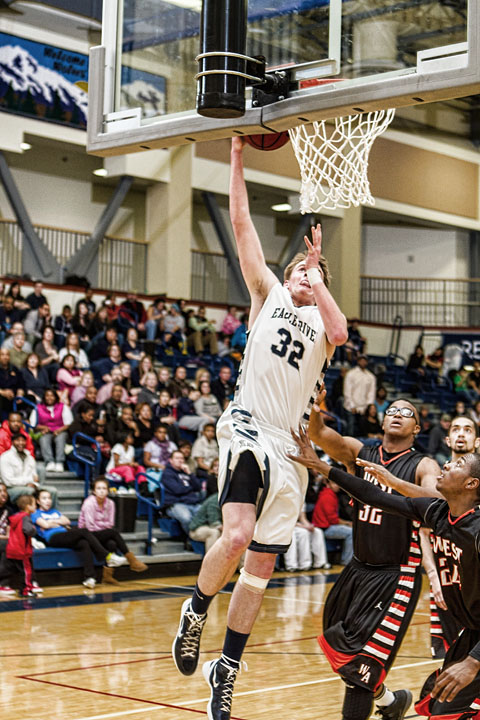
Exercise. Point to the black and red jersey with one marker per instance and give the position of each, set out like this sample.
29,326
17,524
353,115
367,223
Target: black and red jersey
455,545
379,538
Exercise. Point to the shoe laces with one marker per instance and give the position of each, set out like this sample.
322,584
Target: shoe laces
194,628
226,683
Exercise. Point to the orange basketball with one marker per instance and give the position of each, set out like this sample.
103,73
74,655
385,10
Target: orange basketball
270,141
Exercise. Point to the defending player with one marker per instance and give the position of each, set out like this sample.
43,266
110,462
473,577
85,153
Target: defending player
386,568
462,439
453,692
293,331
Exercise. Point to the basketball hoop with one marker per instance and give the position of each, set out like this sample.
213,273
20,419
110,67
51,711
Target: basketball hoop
334,161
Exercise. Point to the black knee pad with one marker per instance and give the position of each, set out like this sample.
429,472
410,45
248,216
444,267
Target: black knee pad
357,704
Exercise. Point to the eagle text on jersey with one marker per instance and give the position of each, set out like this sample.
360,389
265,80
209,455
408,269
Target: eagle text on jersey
304,328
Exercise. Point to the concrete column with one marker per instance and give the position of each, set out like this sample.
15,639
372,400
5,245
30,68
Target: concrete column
342,246
169,228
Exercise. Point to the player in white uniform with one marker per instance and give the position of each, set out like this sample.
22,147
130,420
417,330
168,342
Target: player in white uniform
293,332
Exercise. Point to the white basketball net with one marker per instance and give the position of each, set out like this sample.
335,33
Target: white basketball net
334,160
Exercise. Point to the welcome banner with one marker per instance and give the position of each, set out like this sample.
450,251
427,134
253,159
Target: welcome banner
43,81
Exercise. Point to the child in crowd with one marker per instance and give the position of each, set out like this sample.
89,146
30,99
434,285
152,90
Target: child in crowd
98,516
54,530
17,559
122,461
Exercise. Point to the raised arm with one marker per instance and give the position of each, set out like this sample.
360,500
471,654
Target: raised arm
342,449
334,320
427,473
362,490
257,275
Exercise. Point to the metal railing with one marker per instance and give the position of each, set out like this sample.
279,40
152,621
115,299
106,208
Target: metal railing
421,301
121,263
212,281
209,278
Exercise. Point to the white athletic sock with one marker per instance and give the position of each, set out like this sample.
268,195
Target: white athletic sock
385,699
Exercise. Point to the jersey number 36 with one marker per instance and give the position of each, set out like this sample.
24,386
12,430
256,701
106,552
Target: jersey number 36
371,515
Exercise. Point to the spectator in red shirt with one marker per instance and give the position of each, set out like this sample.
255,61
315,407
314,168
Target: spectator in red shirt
10,427
325,516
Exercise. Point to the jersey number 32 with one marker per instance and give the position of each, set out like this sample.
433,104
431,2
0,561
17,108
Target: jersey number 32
295,348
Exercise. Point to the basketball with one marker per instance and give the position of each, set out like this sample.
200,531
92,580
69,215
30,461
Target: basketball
270,141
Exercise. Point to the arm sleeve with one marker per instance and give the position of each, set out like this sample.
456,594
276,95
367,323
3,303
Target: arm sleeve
28,527
111,512
366,492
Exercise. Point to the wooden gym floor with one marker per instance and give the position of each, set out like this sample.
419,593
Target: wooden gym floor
75,654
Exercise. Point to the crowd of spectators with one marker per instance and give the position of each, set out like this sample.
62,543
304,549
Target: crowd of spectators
149,384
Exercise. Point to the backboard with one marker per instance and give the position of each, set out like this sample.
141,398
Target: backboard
381,53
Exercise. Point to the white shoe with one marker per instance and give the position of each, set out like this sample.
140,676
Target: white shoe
38,544
36,588
50,467
114,560
7,590
90,583
59,467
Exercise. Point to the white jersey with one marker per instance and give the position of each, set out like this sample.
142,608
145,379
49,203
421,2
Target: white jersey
284,362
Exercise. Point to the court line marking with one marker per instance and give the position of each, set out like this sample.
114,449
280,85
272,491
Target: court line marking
246,693
229,592
313,682
156,705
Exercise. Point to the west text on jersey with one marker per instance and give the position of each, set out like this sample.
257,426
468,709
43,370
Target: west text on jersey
447,547
292,319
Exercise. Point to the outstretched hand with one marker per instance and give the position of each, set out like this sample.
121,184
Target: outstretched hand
314,248
307,455
378,472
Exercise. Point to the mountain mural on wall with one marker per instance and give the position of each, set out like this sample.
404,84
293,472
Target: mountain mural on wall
43,82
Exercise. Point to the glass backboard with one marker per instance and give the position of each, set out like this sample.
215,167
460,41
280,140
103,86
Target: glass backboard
344,56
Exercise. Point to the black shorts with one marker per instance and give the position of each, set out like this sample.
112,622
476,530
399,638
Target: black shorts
468,699
444,629
366,616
